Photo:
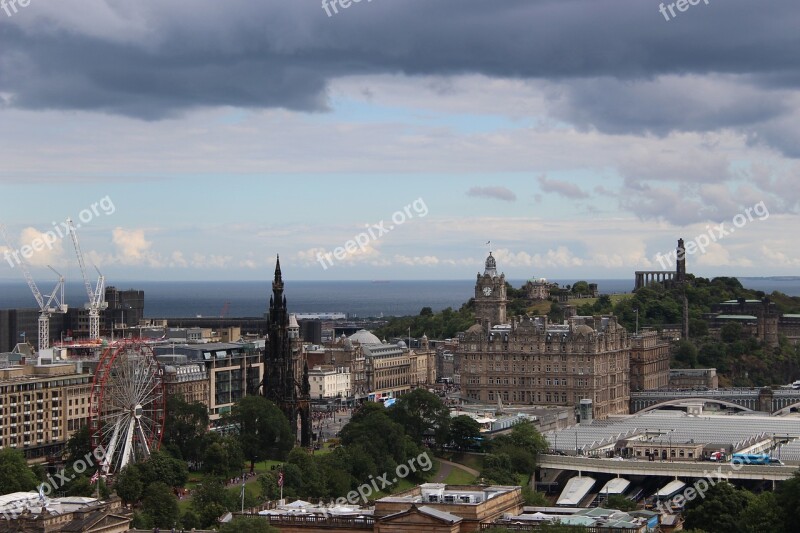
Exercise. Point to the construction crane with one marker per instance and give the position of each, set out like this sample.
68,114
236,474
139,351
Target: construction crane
97,296
49,304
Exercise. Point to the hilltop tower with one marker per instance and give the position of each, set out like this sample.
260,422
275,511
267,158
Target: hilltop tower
490,295
285,369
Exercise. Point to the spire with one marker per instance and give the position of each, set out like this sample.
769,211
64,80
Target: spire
278,278
491,266
277,286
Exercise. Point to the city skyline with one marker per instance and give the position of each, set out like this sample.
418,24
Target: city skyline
285,129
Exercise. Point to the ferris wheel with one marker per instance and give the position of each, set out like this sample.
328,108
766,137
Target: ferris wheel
127,405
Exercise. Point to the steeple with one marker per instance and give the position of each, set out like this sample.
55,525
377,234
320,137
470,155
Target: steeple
491,267
277,283
283,360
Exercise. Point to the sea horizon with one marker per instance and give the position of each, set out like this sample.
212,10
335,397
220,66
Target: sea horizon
362,298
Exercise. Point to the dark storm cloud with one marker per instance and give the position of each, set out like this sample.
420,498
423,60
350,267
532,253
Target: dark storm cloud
281,53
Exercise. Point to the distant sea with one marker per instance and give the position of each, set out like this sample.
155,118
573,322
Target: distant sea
171,299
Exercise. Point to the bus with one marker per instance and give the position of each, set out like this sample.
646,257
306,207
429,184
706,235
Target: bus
755,459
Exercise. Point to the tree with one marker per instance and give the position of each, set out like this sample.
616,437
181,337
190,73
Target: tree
788,498
719,511
15,476
222,455
763,514
618,501
497,469
731,332
160,504
426,311
242,524
264,432
686,354
211,500
464,430
79,445
422,413
79,486
312,484
190,520
186,424
580,287
128,484
384,441
162,467
534,498
522,446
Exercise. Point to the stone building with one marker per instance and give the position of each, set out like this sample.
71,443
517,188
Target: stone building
329,382
538,289
41,407
188,380
490,295
693,378
233,371
25,512
533,361
649,361
387,369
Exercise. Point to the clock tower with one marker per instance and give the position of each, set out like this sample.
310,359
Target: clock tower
490,295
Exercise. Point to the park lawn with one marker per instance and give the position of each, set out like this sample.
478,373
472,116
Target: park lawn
615,298
400,486
459,477
473,461
541,307
264,466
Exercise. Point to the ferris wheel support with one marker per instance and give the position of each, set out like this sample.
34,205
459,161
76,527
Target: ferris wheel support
127,405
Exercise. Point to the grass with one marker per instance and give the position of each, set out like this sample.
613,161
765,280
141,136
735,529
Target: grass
467,459
459,477
615,298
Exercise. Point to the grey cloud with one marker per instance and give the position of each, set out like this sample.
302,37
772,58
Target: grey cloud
564,188
497,193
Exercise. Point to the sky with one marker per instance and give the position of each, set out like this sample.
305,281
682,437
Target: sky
399,139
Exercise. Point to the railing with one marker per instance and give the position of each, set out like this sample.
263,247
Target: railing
535,527
351,522
668,468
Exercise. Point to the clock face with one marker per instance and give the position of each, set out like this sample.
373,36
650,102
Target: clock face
487,291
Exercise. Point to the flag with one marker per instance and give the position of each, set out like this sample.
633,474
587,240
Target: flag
41,492
280,479
95,477
242,487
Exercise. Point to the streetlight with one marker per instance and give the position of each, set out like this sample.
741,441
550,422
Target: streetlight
670,445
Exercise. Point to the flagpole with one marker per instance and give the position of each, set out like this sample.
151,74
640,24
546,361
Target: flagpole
242,492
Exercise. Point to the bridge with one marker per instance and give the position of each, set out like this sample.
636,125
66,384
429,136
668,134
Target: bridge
774,401
677,469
